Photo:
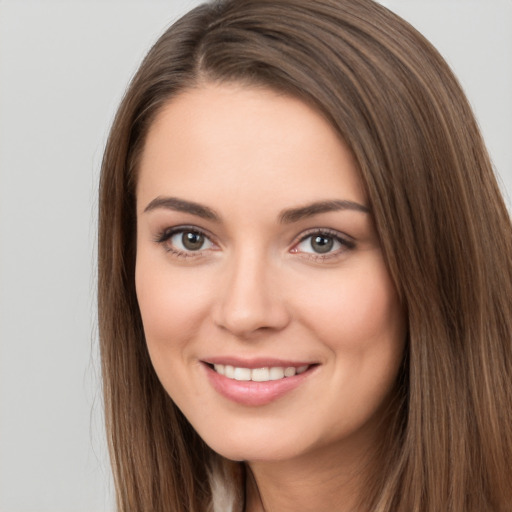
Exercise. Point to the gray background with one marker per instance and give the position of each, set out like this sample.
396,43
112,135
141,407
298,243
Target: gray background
63,69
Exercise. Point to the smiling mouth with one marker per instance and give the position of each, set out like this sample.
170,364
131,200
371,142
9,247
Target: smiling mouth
264,374
259,382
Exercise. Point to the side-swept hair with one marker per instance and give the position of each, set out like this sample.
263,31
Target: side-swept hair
444,229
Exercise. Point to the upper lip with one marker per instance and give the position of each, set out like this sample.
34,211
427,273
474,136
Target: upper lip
257,362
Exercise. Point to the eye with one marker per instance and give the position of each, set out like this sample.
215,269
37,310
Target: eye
183,241
323,243
190,241
319,244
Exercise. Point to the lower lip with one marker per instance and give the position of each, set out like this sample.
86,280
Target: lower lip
252,393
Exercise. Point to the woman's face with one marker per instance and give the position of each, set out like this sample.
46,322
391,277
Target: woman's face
269,314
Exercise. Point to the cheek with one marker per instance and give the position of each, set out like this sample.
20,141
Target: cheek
171,303
357,311
357,316
172,307
362,325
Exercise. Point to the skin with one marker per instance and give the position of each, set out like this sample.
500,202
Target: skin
257,287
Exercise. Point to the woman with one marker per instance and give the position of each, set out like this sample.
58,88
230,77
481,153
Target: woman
305,271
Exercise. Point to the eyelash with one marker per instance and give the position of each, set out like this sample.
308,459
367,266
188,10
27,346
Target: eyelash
345,242
165,236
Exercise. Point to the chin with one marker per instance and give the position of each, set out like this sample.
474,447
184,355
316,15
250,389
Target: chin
258,444
260,453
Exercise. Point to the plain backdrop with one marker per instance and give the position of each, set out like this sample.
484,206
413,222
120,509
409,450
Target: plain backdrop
63,68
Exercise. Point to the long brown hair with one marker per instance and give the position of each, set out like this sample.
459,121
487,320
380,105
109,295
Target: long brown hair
444,229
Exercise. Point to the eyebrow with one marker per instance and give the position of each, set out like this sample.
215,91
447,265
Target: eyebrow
180,205
296,214
287,216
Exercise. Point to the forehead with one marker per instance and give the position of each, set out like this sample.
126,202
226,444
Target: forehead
248,142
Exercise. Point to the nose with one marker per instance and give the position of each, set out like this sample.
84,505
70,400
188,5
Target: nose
250,299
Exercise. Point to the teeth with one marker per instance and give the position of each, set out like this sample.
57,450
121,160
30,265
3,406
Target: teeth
258,374
289,372
242,374
276,373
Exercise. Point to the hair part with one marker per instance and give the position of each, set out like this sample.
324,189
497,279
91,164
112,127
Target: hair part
444,230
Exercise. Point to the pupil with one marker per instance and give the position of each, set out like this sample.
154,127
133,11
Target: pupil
322,244
192,241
